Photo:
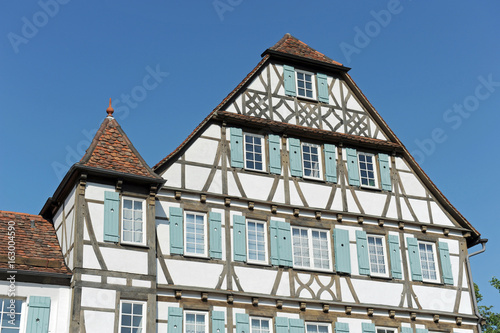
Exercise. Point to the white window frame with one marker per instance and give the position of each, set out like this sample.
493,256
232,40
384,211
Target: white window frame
263,147
310,247
313,82
436,264
266,256
144,311
122,230
22,314
375,171
269,320
320,160
327,325
205,235
384,247
393,329
184,321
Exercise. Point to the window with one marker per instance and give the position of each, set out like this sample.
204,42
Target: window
133,221
311,248
195,322
132,315
310,160
367,172
305,84
254,152
195,231
260,325
377,255
317,328
386,330
10,321
427,253
257,241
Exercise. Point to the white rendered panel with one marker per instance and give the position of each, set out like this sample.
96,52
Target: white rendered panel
256,83
353,104
196,177
374,292
99,322
373,203
255,186
89,258
401,164
345,291
435,298
405,211
351,204
96,191
279,194
256,280
196,274
284,286
96,211
420,209
232,188
316,194
465,303
438,215
212,131
202,151
120,260
173,175
98,298
412,185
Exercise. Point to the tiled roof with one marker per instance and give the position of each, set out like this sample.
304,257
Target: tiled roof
36,245
291,45
112,150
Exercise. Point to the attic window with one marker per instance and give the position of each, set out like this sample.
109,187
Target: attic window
305,84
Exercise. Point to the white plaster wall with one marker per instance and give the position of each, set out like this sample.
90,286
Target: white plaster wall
421,210
372,202
375,292
188,273
412,185
284,286
122,260
212,131
99,322
256,83
196,177
435,298
465,303
401,164
96,191
202,151
345,291
173,175
89,258
98,298
255,280
70,199
96,211
255,186
351,204
275,79
317,195
439,216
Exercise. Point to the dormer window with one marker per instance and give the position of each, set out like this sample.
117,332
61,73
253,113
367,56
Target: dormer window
305,84
133,221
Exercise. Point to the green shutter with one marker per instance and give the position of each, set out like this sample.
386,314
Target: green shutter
322,88
274,154
242,323
284,244
239,238
176,231
421,330
406,330
342,252
296,326
341,327
289,78
362,249
215,235
281,324
352,166
174,320
368,328
218,322
38,314
444,256
236,147
295,157
395,257
275,259
385,172
330,163
111,217
414,256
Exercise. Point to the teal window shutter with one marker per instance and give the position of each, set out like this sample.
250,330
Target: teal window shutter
414,256
274,154
242,323
322,88
289,78
385,172
111,217
174,320
284,244
330,163
218,322
362,249
342,252
38,314
352,166
394,254
281,324
444,256
406,330
215,235
295,157
296,326
176,231
368,327
275,259
421,330
236,147
341,327
239,238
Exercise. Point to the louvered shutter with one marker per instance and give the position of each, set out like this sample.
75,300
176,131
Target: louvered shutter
342,252
414,256
444,256
289,80
239,238
176,231
111,217
352,166
296,326
362,249
215,226
406,330
242,323
236,147
330,163
273,228
368,328
421,330
295,157
274,154
341,327
174,320
218,322
394,254
284,244
38,314
385,172
322,88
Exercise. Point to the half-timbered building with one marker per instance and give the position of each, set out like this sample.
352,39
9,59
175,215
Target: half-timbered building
291,208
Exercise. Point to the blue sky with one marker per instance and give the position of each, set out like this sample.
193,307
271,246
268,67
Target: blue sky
430,69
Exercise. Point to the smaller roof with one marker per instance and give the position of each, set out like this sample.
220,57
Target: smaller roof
292,46
36,245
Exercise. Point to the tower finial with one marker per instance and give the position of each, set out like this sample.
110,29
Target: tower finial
110,109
